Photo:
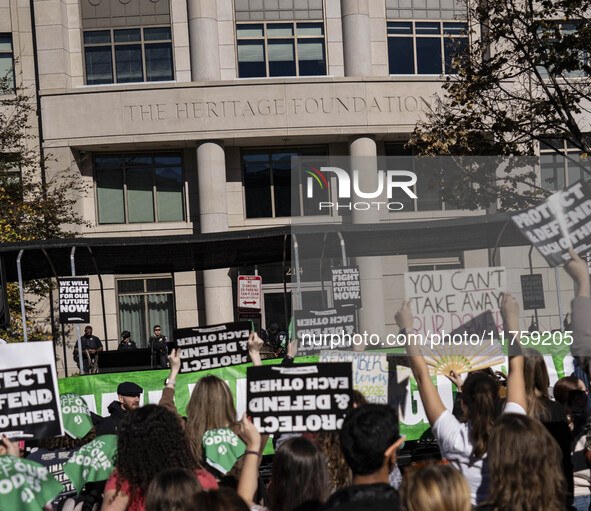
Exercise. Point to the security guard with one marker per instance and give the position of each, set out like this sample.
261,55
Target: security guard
158,346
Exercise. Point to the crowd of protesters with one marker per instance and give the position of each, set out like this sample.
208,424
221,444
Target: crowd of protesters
503,447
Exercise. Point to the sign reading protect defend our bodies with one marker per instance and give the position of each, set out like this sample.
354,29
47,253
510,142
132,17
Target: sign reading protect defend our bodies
214,346
561,222
446,300
29,397
297,399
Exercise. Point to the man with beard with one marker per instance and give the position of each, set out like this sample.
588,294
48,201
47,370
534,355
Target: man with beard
128,395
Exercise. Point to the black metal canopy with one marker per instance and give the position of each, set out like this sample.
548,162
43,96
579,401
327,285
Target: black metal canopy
135,255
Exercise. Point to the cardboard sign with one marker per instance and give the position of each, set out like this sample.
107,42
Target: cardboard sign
29,397
249,291
297,399
346,287
370,372
326,329
74,300
447,300
532,291
210,347
561,222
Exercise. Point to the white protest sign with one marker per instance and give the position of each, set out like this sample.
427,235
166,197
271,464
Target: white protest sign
560,222
443,301
370,372
29,396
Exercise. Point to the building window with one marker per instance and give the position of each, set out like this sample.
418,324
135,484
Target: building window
427,188
143,303
561,164
6,62
139,187
280,49
127,55
425,47
419,262
271,189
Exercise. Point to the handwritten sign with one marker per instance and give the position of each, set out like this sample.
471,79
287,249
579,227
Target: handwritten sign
370,372
446,300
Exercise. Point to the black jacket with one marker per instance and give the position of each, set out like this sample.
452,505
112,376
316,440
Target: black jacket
110,425
364,497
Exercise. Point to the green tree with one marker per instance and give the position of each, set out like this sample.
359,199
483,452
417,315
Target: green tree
31,205
523,80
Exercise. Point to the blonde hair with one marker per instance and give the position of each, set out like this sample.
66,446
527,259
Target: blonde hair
211,407
435,488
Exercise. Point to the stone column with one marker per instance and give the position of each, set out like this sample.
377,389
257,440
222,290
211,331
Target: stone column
363,153
213,215
203,40
356,37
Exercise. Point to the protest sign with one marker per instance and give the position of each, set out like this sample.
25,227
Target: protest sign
29,399
445,301
300,398
54,462
532,292
326,329
214,346
346,287
561,222
74,300
25,485
370,372
222,447
92,462
75,415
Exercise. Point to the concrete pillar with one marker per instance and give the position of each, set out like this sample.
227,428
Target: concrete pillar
213,215
363,153
356,37
203,40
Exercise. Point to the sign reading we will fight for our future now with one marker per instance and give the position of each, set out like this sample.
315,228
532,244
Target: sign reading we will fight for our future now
446,301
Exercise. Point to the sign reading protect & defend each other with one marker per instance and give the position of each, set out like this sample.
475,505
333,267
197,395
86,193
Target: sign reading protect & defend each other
297,399
211,347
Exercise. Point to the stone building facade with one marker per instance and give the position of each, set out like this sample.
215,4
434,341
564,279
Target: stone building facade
180,116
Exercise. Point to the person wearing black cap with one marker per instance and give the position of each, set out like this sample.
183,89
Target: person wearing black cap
128,395
126,342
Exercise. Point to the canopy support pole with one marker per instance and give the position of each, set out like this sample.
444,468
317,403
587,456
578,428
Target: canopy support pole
80,364
21,294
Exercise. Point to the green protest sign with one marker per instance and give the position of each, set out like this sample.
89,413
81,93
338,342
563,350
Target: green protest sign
222,448
75,415
92,462
25,485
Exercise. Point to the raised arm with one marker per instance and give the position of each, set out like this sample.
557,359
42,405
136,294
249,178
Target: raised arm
255,343
248,482
432,403
167,399
580,310
516,380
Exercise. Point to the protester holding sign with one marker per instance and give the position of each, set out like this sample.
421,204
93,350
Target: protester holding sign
466,444
151,439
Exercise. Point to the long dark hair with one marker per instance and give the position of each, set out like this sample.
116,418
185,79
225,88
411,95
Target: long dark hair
299,478
536,383
481,397
525,466
173,490
151,439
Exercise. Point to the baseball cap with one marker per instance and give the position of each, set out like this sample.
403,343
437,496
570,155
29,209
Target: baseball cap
128,388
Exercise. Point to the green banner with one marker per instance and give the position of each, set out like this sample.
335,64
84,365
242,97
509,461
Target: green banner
100,389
